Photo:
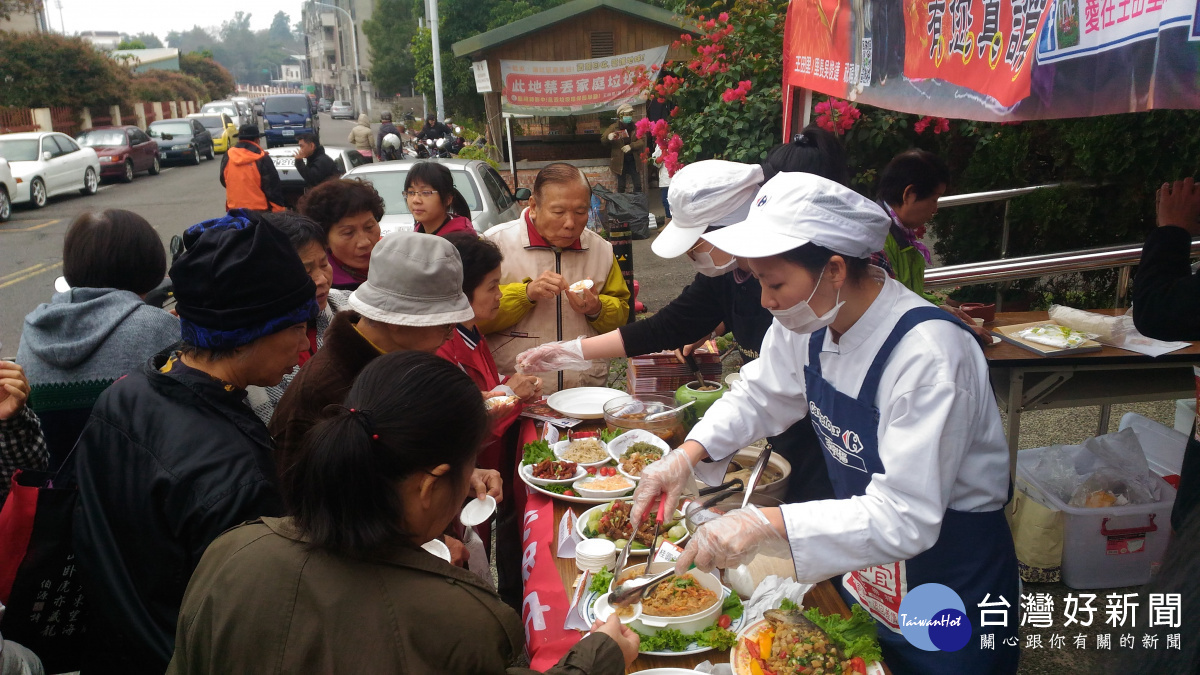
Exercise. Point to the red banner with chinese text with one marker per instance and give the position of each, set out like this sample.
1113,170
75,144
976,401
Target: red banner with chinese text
558,88
997,60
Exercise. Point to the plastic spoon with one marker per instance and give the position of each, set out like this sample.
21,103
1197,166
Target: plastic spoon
668,413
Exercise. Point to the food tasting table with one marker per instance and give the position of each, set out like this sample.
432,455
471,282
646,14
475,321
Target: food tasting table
823,596
1025,381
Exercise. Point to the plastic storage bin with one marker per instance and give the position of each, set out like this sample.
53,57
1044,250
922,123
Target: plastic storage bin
1105,547
1185,415
1164,447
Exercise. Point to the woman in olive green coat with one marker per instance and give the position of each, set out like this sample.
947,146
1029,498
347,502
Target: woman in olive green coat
342,586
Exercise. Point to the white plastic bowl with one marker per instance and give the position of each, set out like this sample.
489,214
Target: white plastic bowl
580,486
603,610
527,470
561,447
621,443
685,624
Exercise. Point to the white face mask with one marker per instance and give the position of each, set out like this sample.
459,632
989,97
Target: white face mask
800,318
703,262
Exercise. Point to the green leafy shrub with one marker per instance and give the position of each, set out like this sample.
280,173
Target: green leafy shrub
42,70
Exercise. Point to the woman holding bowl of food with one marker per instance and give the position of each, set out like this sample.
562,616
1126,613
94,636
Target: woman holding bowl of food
899,396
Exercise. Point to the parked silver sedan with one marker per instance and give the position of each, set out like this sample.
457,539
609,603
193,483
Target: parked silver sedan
491,202
342,110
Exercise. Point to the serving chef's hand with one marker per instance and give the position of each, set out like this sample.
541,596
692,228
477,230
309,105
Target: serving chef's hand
626,639
553,356
729,541
668,477
487,482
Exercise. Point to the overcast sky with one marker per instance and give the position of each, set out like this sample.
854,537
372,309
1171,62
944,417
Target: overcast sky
160,18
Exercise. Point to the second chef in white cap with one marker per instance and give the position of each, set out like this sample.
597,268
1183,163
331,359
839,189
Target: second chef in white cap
898,393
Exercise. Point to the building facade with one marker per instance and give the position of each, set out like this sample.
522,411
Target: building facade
107,40
27,22
330,41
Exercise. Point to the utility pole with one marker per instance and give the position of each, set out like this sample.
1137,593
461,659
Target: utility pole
432,13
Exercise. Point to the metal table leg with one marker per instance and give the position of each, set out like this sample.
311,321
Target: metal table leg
1016,396
1105,416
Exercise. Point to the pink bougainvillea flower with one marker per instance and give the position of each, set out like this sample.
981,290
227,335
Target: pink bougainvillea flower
642,127
921,125
836,116
942,124
723,17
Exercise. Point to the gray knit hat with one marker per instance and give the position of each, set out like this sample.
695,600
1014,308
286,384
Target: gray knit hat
414,280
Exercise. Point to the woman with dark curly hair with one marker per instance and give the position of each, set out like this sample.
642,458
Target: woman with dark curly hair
349,212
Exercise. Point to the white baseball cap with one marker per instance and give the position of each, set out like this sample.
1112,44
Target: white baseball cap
794,209
709,193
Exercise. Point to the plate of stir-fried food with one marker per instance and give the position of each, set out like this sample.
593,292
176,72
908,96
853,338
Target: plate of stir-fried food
790,642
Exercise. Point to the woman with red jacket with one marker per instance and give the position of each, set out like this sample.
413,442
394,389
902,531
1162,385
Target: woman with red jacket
468,349
436,205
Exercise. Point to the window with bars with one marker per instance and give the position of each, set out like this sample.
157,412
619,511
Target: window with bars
602,44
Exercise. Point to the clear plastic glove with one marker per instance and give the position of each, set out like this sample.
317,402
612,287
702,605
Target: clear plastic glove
553,356
668,476
731,540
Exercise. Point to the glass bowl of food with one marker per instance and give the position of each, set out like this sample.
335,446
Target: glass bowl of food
628,412
586,452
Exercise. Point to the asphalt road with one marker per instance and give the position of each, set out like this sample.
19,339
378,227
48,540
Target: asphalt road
31,242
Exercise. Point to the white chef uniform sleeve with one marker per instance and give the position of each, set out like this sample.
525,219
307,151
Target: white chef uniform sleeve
769,399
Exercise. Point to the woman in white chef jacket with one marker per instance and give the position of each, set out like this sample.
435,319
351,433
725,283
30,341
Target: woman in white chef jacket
899,395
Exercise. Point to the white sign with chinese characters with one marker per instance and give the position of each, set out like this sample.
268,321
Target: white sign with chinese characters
1082,27
483,79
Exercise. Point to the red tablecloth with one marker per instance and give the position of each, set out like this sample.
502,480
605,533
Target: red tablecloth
545,605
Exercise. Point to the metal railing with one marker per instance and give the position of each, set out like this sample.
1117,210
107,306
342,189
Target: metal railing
1122,256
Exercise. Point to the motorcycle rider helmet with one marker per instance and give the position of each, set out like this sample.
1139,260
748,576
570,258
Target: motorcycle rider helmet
392,142
385,116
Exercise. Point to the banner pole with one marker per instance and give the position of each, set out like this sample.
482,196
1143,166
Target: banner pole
512,159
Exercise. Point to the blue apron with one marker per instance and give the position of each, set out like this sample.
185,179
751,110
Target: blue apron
974,553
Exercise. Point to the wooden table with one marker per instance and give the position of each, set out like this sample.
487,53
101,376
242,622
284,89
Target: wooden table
823,596
1026,381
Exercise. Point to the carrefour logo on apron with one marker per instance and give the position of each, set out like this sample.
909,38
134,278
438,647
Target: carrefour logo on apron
842,445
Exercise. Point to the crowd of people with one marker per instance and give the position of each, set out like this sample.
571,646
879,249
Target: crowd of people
265,461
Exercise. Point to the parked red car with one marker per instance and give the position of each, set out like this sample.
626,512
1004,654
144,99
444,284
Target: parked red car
123,151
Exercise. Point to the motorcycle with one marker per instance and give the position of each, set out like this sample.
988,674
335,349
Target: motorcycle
435,149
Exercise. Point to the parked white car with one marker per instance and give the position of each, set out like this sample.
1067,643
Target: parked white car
7,189
488,196
45,164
